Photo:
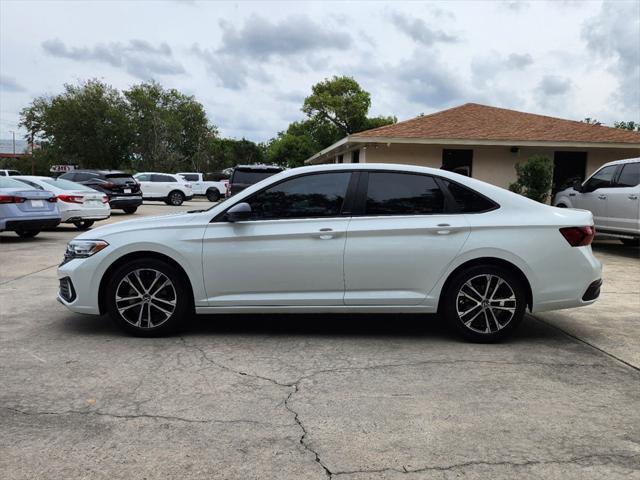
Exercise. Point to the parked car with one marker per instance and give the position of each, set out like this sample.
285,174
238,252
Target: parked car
25,210
78,204
214,190
341,238
244,176
171,189
612,194
9,173
123,191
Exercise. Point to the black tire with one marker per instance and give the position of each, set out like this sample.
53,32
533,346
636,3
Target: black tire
126,313
130,210
27,233
83,224
175,198
500,321
561,205
630,242
213,195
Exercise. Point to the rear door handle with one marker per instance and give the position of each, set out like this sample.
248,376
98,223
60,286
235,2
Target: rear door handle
324,234
633,197
602,197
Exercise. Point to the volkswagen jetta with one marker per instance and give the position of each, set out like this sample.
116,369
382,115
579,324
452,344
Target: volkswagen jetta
341,238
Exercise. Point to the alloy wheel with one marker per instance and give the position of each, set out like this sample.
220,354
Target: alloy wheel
146,298
176,198
486,303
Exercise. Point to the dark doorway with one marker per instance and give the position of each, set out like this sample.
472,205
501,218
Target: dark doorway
567,168
458,161
355,156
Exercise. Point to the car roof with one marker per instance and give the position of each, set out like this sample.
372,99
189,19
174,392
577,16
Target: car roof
622,161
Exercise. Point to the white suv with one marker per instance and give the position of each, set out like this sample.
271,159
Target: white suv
172,189
612,194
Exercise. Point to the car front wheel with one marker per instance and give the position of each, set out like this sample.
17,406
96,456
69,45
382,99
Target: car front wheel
147,298
485,303
213,195
175,198
27,233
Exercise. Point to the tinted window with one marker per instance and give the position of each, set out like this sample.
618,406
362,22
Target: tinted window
466,200
68,176
190,177
309,196
162,178
83,176
251,176
119,178
602,178
630,176
14,172
403,194
143,178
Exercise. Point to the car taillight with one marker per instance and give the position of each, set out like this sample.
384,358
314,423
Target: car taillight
578,236
52,199
70,198
11,199
105,199
108,184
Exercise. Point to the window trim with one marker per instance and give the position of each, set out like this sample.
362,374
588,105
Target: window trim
351,185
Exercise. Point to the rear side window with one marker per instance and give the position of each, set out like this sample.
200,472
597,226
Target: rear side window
309,196
190,177
630,175
466,200
143,177
83,176
403,194
163,178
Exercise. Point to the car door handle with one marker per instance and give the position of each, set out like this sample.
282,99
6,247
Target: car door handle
443,229
602,197
633,197
325,234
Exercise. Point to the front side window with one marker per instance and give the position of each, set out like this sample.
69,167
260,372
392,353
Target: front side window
630,175
601,179
403,194
466,200
309,196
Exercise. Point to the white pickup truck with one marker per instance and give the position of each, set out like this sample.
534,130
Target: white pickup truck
213,190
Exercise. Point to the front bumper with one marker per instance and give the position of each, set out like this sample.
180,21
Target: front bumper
82,276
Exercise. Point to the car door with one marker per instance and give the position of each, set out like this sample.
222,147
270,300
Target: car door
162,185
144,179
594,195
623,203
290,251
401,240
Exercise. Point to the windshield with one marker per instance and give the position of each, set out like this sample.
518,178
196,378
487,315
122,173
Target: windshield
6,182
63,184
251,176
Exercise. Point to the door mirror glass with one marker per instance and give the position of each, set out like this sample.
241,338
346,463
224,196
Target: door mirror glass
239,212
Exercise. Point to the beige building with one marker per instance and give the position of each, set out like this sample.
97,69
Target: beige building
486,143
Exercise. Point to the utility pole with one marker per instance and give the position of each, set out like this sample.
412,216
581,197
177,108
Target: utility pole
14,141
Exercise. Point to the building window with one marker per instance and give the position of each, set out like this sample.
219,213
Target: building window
355,156
340,158
458,161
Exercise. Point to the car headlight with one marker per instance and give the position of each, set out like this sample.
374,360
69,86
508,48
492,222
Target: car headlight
83,248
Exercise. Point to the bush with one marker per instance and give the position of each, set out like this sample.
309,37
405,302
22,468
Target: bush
534,178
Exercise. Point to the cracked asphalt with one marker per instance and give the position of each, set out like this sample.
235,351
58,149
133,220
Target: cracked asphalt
314,396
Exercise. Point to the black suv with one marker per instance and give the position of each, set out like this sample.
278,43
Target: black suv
121,188
244,176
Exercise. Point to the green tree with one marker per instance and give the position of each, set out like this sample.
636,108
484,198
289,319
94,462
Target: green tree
171,131
87,124
591,121
631,125
228,152
290,150
534,178
341,101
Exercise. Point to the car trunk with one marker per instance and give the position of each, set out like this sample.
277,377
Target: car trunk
36,201
123,184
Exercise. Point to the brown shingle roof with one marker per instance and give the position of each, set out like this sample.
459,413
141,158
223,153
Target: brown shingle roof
472,121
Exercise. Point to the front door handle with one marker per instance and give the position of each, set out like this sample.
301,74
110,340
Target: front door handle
602,197
633,196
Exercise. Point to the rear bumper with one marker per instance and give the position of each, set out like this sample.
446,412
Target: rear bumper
85,214
125,202
30,224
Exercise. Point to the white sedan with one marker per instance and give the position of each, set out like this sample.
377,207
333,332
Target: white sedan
78,204
341,238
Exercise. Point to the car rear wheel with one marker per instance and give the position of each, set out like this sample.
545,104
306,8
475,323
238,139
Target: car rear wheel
27,233
631,242
175,198
83,224
130,210
147,298
485,303
561,205
213,195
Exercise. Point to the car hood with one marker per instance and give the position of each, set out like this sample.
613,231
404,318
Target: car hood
147,223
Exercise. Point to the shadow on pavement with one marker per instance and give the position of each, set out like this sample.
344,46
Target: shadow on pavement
615,247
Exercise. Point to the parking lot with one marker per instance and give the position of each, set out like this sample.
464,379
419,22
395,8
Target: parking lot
313,396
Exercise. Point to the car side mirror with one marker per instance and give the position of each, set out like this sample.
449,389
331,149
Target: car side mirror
578,187
239,212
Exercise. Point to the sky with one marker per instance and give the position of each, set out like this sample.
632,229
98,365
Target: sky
251,64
